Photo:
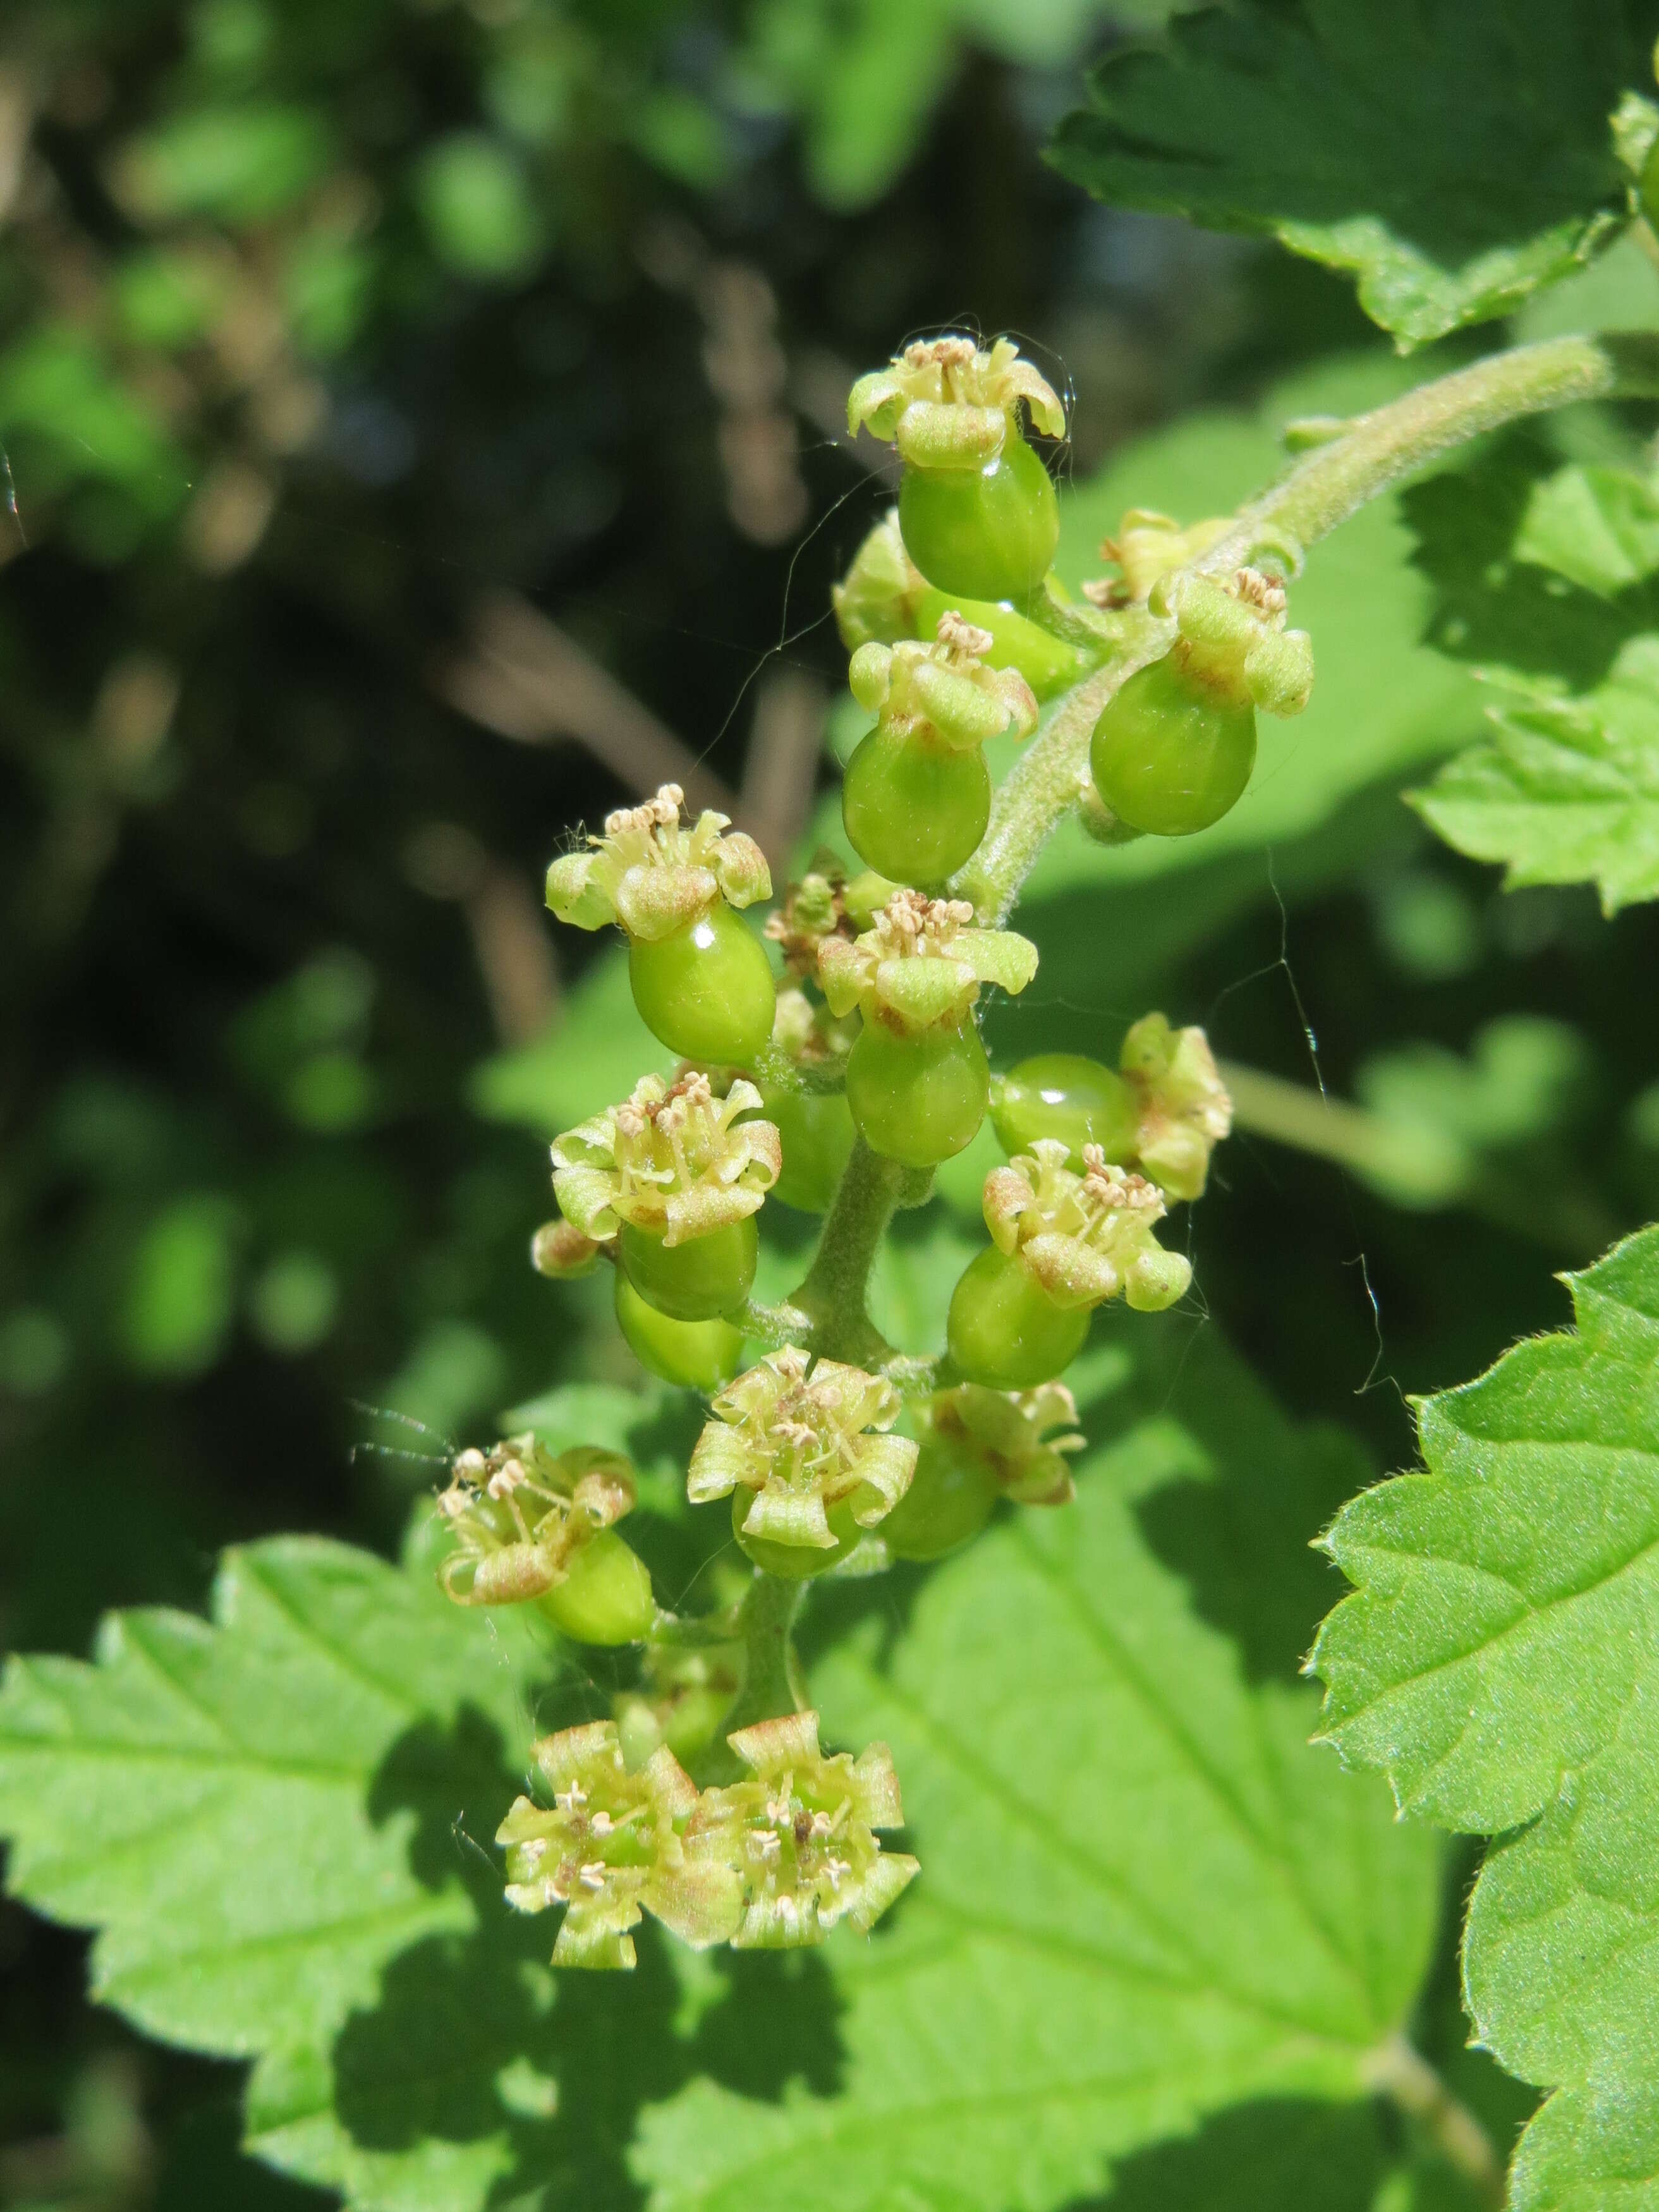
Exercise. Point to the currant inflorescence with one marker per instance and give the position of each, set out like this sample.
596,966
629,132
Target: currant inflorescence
835,1089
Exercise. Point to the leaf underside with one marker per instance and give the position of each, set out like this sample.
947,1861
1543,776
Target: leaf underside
1144,1900
1500,1661
1455,154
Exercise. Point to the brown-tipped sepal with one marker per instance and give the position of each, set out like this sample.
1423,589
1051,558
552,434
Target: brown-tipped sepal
923,963
1184,1109
947,405
1024,1436
804,1444
611,1848
519,1513
1084,1238
801,1835
943,692
674,1159
652,875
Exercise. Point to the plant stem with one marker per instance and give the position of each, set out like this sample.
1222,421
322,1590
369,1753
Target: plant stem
833,1296
770,1683
1370,455
1375,451
1397,2070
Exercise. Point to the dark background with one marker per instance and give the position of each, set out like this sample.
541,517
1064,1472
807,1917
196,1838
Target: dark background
416,418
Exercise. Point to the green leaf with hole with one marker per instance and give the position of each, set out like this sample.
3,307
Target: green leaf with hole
1500,1661
1453,155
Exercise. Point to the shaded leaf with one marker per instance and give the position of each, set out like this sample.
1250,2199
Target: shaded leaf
1454,157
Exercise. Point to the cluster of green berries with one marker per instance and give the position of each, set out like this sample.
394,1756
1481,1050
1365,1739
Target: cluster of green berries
772,1862
866,1049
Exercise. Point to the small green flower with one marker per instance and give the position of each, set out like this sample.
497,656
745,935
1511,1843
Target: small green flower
922,963
674,1159
825,902
877,601
1083,1239
1183,1107
519,1514
804,1443
652,875
943,692
1149,545
1012,1433
945,404
799,1835
611,1848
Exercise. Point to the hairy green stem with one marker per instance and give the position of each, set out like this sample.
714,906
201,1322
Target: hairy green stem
833,1296
1368,456
771,1686
1398,2071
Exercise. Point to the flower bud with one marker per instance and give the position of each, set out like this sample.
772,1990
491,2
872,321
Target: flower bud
825,902
803,1443
610,1848
800,1835
923,963
946,404
1083,1239
1149,545
652,875
519,1513
674,1159
943,692
559,1249
1183,1109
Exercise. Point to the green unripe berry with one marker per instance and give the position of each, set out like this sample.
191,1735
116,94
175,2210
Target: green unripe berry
706,989
1170,753
816,1133
915,809
951,1498
795,1563
1067,1095
1004,1331
698,1355
989,532
698,1281
918,1098
605,1598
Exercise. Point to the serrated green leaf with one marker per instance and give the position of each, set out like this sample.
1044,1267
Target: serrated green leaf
1454,157
1566,790
1142,1899
1499,1662
244,1809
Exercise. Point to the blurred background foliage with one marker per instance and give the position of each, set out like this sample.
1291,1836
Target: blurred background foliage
420,428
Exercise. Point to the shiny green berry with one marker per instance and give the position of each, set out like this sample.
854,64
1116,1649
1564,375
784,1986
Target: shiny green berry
988,532
1005,1330
918,1098
1172,754
915,808
605,1598
951,1498
816,1129
698,1355
1067,1095
706,989
794,1562
698,1281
